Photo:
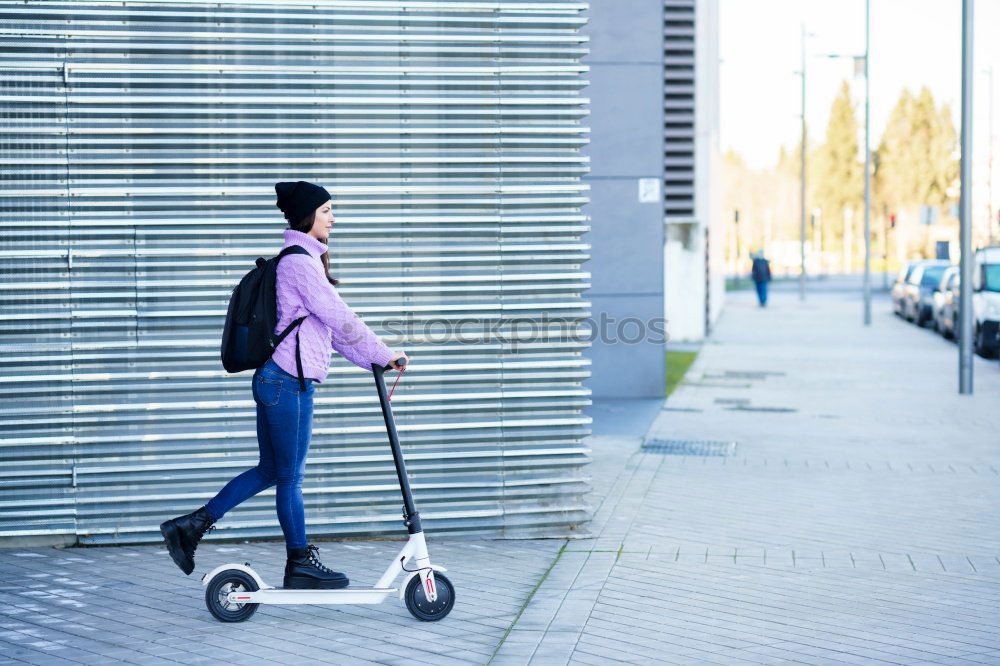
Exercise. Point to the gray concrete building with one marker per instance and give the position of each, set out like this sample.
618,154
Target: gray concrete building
492,164
653,141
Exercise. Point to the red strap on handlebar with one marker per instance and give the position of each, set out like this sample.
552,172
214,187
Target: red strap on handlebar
396,382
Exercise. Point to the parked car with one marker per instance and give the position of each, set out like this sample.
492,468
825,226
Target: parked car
899,287
918,290
946,301
986,301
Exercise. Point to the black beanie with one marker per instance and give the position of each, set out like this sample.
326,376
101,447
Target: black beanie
297,200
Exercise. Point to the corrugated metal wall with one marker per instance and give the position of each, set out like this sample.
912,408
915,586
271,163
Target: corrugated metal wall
140,145
679,107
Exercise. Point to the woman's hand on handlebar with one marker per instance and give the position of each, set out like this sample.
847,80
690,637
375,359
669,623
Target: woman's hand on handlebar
398,360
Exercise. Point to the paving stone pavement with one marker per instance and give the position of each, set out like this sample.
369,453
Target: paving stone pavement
855,522
131,604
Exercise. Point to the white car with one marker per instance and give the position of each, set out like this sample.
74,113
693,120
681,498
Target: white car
986,301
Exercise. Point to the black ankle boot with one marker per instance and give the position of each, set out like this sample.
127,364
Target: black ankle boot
182,535
304,571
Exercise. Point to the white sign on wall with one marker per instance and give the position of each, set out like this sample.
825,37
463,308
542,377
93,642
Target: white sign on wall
649,190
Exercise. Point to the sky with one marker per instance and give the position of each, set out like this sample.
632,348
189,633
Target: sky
913,43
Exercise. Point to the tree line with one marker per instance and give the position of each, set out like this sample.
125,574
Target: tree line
915,168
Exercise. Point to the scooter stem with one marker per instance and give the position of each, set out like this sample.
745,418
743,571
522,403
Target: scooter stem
410,516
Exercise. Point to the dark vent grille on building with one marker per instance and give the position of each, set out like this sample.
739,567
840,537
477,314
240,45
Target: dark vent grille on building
679,111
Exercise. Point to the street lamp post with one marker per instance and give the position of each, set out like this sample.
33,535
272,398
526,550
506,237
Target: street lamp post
736,220
802,178
867,287
885,250
965,211
868,178
989,162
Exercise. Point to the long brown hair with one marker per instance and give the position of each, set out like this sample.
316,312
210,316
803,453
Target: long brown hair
304,225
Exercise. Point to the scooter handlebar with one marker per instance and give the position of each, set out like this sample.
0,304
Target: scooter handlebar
401,364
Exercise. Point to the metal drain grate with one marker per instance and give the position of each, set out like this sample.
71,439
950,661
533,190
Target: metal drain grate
743,374
689,447
773,410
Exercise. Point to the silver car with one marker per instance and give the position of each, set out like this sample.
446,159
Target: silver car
899,287
946,302
918,290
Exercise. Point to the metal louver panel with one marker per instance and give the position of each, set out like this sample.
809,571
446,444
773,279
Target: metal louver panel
140,145
679,108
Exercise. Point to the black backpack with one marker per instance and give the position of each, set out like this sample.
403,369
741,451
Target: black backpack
248,339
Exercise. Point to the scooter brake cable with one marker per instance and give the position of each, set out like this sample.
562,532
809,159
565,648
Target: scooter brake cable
401,371
403,566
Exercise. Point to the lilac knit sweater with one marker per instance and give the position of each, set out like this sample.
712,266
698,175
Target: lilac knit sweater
303,290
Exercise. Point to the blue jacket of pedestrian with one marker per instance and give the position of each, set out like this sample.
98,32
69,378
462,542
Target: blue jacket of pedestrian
761,270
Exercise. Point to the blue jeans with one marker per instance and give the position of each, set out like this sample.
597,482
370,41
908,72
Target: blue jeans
284,428
762,292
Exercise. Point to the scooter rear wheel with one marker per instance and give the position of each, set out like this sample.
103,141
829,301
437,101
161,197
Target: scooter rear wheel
230,580
430,611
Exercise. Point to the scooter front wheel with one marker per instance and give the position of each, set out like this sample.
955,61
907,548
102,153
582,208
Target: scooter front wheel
217,592
430,611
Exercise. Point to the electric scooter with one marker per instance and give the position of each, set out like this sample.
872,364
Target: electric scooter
233,591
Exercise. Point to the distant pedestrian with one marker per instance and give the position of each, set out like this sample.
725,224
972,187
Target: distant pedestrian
761,274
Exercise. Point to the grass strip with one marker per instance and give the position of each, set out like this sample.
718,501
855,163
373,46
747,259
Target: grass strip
678,363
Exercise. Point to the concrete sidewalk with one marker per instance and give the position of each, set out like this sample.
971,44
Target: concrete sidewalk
854,521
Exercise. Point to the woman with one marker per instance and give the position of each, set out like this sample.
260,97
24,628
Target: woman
284,409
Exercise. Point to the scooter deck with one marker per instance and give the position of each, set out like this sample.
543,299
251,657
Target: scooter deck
279,595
